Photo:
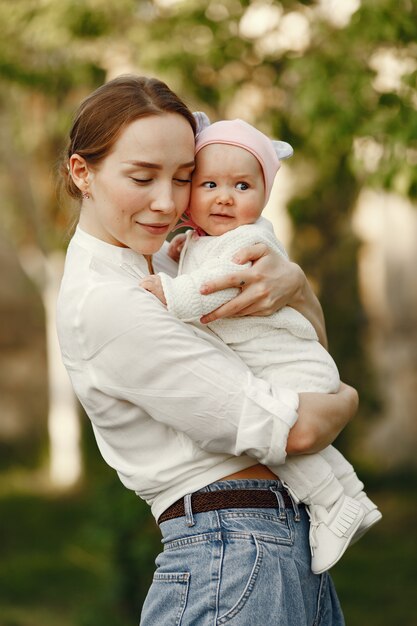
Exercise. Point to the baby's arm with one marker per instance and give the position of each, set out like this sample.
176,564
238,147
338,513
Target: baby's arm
183,293
175,246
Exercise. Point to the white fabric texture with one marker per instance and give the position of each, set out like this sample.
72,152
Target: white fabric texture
282,348
172,407
205,258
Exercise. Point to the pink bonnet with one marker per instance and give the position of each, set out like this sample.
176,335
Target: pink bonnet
241,134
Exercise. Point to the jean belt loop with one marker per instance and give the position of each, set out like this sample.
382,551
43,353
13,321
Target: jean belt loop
297,517
281,504
188,509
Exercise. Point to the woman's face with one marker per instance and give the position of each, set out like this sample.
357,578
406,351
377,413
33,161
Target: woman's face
138,192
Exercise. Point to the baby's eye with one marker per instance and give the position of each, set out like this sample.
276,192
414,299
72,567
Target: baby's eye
242,186
209,184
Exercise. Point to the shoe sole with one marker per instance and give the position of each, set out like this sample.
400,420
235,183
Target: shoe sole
376,517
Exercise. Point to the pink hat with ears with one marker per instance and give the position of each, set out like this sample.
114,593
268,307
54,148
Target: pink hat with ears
239,133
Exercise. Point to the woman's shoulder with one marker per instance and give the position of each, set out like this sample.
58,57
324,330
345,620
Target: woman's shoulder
103,304
119,299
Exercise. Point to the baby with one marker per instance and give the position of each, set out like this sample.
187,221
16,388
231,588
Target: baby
235,168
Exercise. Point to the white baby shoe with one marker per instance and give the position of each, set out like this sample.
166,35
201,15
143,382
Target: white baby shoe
372,516
332,530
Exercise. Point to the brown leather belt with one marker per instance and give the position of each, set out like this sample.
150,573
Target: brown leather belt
204,501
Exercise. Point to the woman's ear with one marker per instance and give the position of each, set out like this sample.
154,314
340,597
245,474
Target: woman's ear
80,173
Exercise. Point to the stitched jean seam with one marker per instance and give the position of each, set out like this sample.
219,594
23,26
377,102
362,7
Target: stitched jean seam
181,578
320,596
223,619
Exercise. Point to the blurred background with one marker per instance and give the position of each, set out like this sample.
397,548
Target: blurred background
338,80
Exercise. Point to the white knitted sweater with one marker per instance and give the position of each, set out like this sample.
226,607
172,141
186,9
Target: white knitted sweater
205,258
290,340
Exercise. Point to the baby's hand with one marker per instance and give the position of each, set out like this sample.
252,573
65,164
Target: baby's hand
175,246
153,285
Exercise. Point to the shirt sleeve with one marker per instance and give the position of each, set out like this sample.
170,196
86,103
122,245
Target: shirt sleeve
139,353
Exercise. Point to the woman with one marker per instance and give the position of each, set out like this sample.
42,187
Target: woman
174,411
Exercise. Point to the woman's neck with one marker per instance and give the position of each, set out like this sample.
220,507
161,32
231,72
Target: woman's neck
148,258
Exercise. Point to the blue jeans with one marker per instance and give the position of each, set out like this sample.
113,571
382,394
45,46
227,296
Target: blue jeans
241,567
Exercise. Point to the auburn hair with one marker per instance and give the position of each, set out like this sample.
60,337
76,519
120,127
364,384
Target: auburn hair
103,115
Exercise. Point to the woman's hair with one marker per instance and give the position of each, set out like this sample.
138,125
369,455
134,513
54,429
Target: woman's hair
103,115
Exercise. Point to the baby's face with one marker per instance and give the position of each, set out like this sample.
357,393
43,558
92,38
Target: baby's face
227,189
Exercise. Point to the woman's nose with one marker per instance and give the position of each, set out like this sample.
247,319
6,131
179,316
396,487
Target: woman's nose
163,200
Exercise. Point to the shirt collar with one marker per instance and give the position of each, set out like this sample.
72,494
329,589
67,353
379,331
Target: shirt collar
110,253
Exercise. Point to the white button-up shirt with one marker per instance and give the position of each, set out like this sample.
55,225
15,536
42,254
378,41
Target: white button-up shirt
172,407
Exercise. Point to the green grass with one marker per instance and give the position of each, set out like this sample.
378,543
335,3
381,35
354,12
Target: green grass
48,571
377,578
86,559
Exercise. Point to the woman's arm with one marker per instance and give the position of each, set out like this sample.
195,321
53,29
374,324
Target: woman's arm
271,283
140,363
321,418
179,375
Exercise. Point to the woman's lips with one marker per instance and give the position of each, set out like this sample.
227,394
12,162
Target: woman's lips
155,229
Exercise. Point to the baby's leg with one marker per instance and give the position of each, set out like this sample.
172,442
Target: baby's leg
353,487
310,479
334,516
343,471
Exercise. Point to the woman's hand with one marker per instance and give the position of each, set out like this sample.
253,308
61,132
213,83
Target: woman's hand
321,417
269,284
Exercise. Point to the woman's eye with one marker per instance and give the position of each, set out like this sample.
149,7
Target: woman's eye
209,184
242,186
141,181
183,181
